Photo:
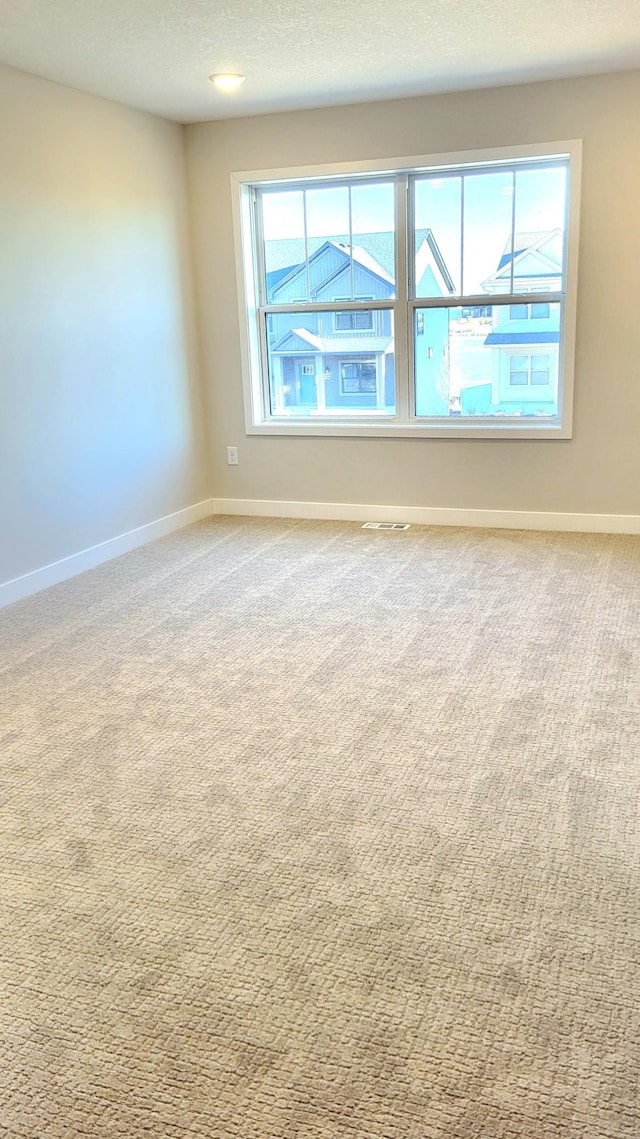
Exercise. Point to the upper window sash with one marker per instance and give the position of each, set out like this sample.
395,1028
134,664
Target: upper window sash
405,224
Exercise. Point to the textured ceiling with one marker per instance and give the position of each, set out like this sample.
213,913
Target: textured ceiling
157,54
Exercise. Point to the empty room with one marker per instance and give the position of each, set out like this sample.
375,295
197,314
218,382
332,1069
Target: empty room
319,570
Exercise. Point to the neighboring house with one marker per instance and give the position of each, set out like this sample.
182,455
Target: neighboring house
323,361
524,337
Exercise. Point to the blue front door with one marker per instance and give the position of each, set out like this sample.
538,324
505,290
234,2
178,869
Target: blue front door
307,384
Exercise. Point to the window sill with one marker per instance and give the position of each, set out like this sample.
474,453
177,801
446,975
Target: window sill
375,430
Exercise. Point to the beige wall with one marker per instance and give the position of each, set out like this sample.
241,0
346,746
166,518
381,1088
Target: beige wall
599,469
101,428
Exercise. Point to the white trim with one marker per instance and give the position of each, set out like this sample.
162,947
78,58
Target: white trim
418,162
453,428
432,515
30,583
56,572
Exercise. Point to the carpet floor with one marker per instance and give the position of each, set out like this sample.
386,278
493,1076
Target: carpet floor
313,832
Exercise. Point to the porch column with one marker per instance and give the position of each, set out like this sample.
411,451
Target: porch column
380,375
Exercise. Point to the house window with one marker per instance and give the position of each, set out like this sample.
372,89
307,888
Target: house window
358,377
308,370
529,370
540,311
523,312
379,257
540,374
354,321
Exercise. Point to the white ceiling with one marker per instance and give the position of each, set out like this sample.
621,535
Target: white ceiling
157,54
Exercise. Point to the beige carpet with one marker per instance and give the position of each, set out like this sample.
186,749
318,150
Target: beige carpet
313,832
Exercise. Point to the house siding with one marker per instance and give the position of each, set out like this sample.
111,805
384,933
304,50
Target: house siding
291,358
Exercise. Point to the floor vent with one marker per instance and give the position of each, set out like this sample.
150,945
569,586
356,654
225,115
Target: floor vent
386,526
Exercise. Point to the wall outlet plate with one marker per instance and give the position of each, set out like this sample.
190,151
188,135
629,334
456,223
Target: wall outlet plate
232,456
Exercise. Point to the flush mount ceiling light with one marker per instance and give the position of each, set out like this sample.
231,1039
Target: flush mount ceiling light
227,80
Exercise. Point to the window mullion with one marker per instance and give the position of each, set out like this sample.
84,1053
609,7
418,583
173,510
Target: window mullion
461,290
306,243
513,227
351,272
401,323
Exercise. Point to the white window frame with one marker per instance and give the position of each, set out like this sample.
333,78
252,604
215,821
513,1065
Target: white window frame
259,421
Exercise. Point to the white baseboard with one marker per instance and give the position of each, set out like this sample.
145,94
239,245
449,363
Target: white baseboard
433,515
42,578
46,576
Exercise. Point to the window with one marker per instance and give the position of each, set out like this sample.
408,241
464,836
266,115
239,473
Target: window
530,370
524,312
519,371
354,321
358,377
433,299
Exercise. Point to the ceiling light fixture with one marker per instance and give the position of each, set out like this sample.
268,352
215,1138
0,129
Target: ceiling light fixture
227,80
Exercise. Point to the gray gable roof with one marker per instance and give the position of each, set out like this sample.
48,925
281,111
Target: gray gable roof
526,241
360,257
284,253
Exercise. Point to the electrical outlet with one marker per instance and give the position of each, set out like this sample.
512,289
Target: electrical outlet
232,456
